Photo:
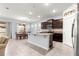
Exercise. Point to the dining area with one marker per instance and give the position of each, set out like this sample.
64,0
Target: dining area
21,32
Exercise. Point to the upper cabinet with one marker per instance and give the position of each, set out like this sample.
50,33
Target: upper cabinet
57,24
46,25
52,24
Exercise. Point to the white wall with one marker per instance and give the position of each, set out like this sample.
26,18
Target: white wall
67,26
13,29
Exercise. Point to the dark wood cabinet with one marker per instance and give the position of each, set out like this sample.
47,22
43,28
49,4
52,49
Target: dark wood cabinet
46,25
58,37
54,24
57,24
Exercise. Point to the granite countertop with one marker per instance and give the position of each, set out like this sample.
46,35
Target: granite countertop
44,33
53,30
47,32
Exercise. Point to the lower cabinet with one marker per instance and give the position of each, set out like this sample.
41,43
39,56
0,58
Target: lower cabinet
58,37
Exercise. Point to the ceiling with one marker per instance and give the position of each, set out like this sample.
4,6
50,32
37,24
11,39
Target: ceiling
38,11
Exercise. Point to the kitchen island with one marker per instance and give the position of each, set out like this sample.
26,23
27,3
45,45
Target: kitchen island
43,40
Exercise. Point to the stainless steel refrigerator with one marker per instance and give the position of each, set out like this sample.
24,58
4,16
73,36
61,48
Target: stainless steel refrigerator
76,36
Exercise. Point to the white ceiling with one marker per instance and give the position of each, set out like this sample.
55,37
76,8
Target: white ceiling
21,10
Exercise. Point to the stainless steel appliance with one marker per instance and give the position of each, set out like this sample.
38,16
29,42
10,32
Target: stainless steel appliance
76,36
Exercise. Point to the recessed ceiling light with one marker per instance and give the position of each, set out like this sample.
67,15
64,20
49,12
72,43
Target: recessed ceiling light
7,8
38,16
46,4
30,13
54,11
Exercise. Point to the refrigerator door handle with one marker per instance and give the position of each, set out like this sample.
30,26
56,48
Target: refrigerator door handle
72,28
72,32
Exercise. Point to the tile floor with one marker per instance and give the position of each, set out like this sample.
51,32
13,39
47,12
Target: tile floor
24,48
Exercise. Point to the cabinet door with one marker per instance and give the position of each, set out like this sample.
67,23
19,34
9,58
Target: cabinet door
44,25
57,24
